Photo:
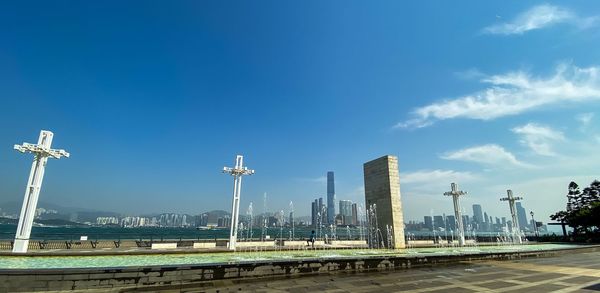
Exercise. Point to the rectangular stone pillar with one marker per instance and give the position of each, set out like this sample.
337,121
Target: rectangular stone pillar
382,187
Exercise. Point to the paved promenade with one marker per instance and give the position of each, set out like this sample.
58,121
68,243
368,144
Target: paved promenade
577,272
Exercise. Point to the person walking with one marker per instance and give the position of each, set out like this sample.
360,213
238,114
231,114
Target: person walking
311,239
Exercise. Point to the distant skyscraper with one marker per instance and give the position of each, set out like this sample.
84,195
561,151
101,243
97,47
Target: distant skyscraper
477,214
354,214
467,226
315,211
522,216
438,222
451,222
330,198
428,222
346,211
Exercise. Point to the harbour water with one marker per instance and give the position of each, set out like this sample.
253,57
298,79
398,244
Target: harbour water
7,232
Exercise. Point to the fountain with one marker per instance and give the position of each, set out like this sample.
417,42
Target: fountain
250,213
292,219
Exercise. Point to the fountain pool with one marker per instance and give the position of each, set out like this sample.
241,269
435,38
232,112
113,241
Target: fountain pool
119,261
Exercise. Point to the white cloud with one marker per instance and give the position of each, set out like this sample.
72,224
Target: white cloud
513,93
539,17
489,154
538,138
429,176
320,180
585,119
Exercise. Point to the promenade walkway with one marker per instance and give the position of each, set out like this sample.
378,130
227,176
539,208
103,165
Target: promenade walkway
575,272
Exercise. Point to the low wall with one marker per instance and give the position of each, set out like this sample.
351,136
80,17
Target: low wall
205,245
182,276
349,242
269,243
295,243
164,245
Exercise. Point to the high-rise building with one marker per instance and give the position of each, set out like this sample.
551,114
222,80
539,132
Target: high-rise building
477,214
319,211
522,216
322,211
428,222
330,198
354,214
346,211
451,223
314,212
438,222
466,222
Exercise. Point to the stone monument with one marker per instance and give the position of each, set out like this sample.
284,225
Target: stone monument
382,188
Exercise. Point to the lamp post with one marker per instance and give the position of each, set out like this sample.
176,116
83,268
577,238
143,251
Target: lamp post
535,230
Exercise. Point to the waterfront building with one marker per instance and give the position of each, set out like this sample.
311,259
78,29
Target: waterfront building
355,220
330,198
477,216
346,212
438,222
428,222
522,216
451,223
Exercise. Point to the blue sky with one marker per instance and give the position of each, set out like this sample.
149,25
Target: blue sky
152,99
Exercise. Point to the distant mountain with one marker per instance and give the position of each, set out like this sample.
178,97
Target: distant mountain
73,214
14,207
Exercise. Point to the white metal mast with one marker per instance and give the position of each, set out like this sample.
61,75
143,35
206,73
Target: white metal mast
513,212
455,193
237,172
42,152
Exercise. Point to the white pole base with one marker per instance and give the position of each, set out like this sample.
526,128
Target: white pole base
21,246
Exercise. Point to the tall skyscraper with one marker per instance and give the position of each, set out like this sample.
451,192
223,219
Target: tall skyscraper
428,222
522,216
330,198
451,223
315,211
354,214
318,212
477,215
438,222
346,211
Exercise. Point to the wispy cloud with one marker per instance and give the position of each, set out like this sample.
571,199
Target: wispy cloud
538,138
513,93
430,176
320,180
539,17
489,154
585,119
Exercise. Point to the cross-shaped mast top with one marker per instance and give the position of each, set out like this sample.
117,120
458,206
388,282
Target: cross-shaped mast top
510,197
239,169
454,190
42,148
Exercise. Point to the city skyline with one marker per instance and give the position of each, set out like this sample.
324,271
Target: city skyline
476,97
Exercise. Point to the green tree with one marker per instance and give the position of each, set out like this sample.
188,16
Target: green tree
583,209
